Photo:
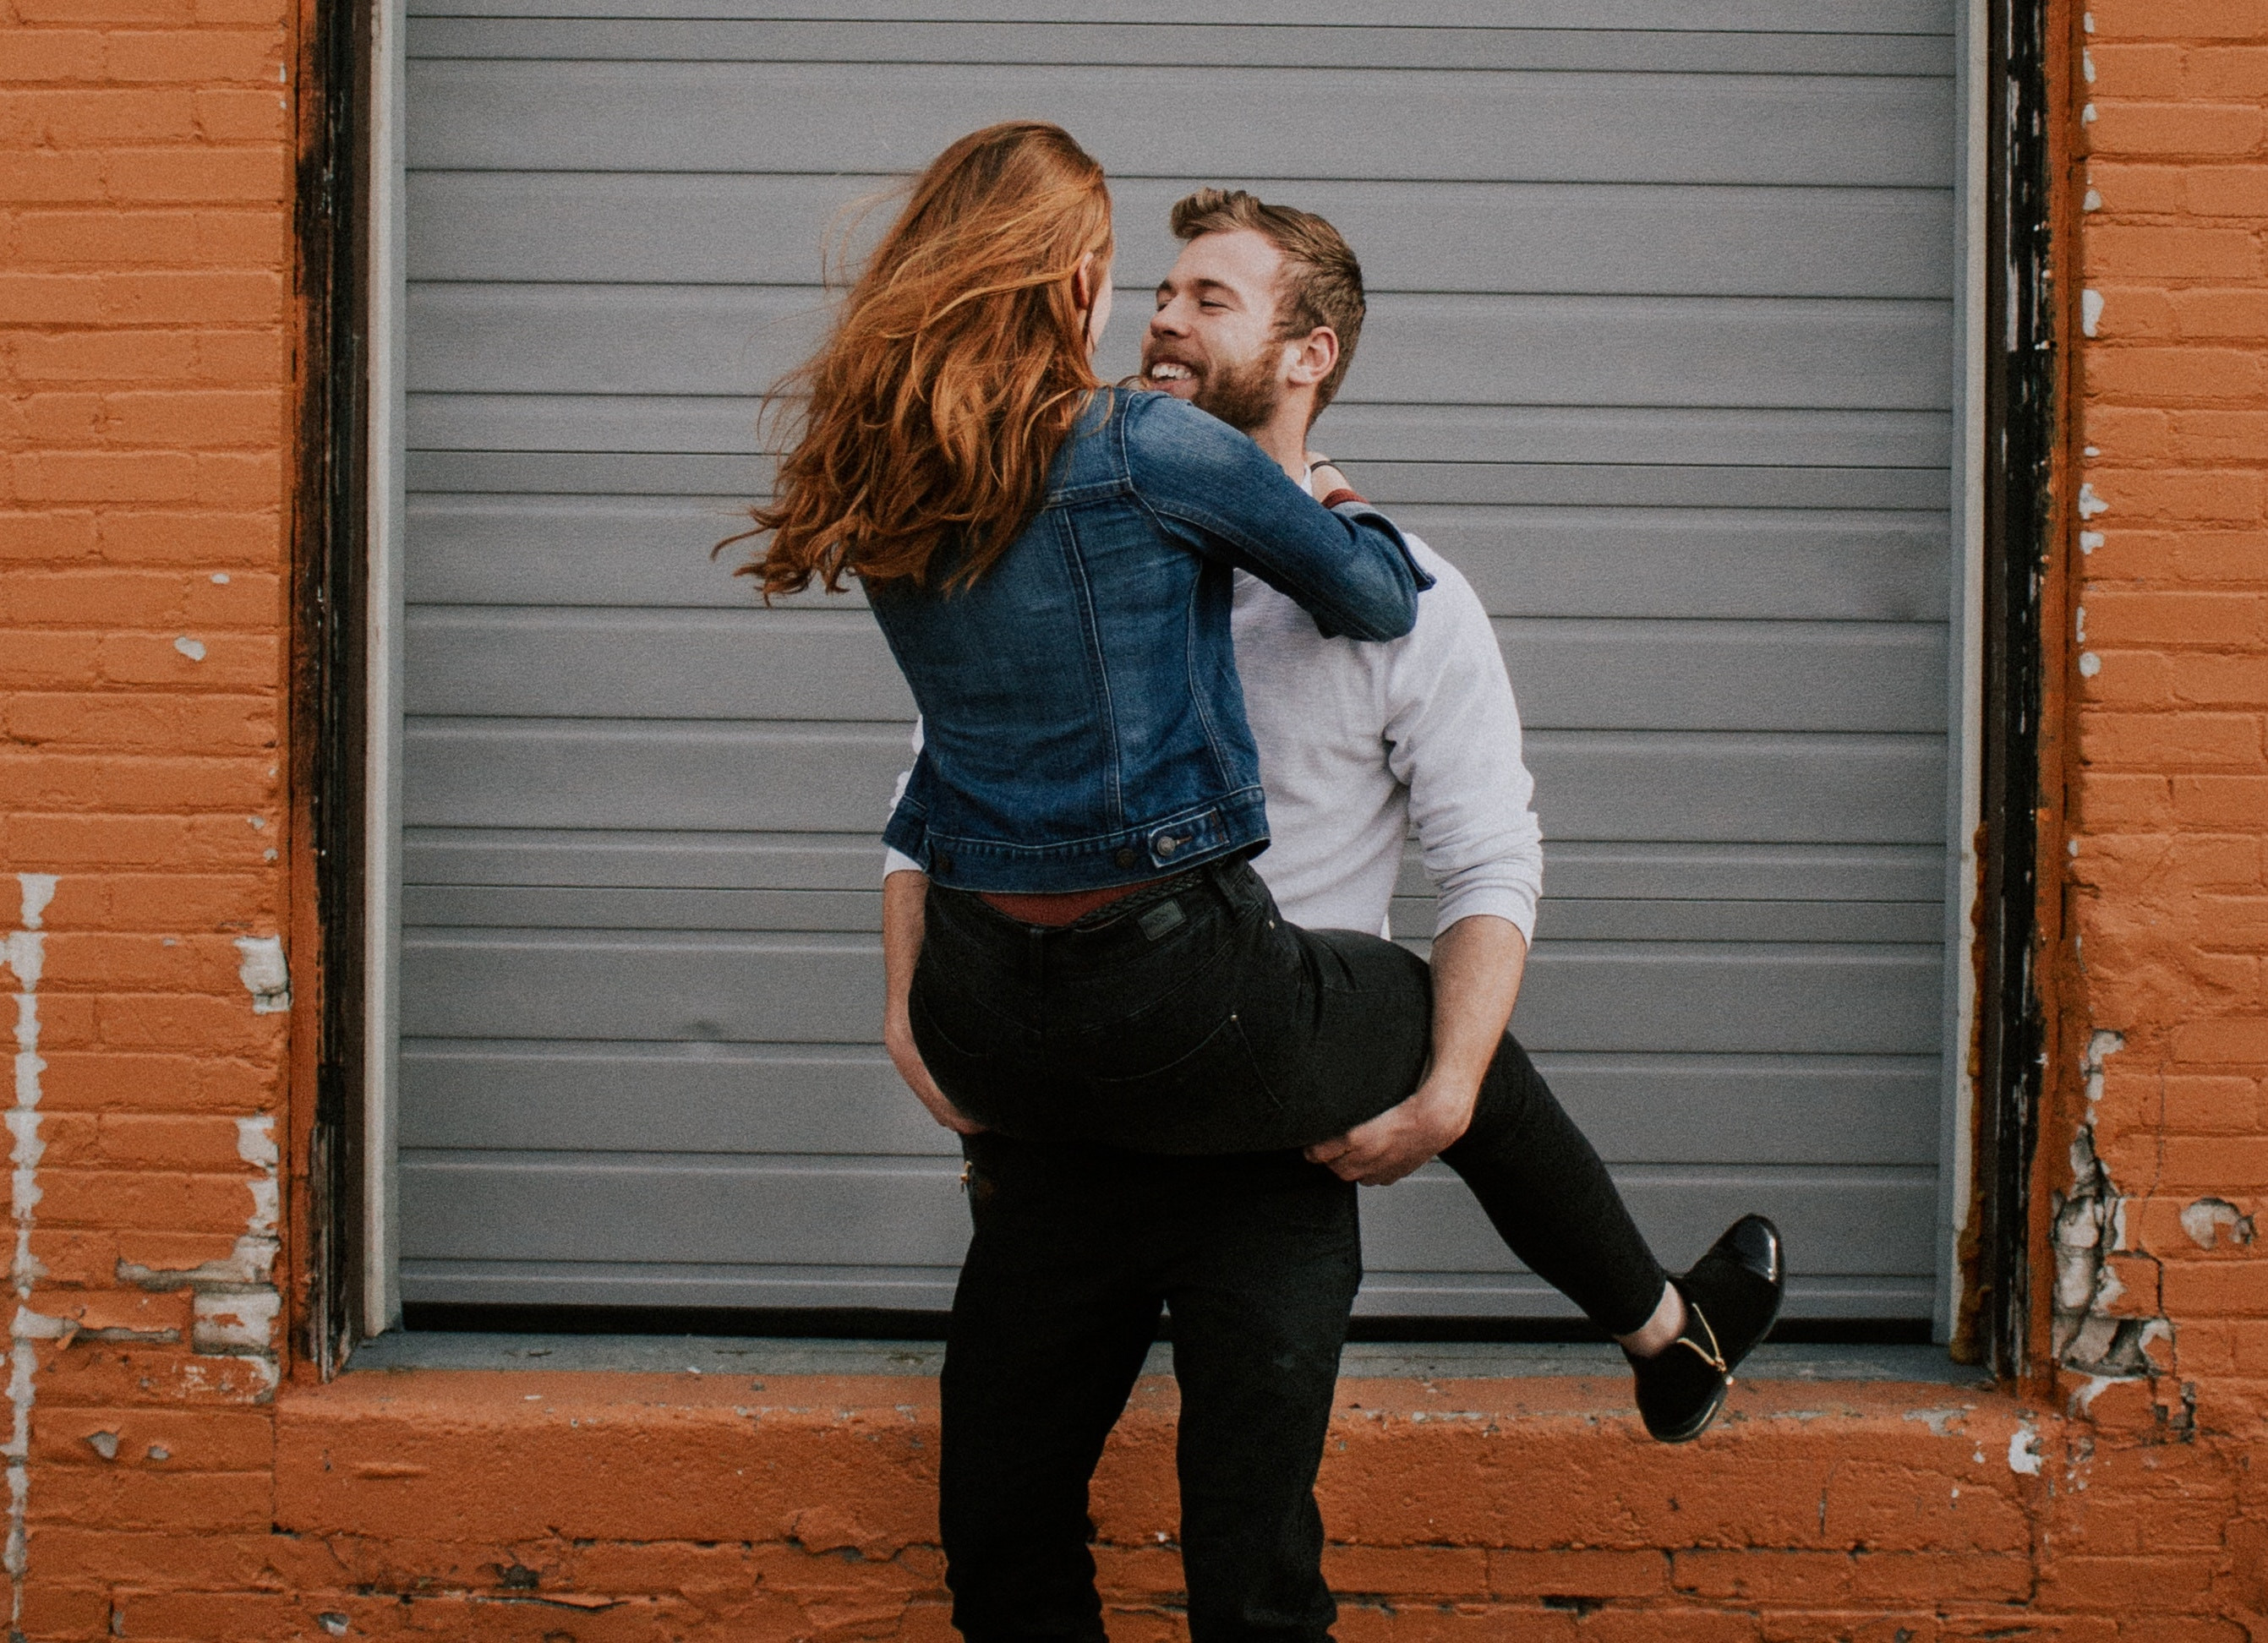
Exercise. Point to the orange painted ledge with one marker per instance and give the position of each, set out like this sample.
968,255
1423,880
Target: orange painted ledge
591,1505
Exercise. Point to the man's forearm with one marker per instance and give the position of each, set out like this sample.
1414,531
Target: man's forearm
1477,965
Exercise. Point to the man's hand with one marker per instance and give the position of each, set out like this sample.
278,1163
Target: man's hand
1477,963
904,896
1380,1152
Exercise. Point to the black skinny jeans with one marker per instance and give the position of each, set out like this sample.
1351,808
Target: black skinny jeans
1077,1250
1209,1028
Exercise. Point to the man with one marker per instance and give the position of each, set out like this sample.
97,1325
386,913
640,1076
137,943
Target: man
1077,1250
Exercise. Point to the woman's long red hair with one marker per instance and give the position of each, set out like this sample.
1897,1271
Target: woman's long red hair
954,372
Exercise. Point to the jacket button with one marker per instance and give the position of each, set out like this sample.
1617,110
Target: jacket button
1167,846
1124,857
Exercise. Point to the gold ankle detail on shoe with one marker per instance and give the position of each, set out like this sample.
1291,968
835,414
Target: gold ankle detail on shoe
1712,1354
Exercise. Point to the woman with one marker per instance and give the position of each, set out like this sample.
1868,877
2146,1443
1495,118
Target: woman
1049,560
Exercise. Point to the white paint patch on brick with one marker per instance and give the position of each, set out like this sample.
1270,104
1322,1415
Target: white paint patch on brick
193,649
2209,1220
265,975
2089,664
2092,203
2090,503
2089,541
2024,1450
26,953
2090,312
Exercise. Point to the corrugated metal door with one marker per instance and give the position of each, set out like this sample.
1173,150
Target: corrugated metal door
1661,354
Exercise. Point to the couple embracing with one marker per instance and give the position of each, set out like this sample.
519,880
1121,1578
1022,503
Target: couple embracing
1151,636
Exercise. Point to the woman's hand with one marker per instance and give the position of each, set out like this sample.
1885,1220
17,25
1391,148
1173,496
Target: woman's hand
1381,1152
898,1039
904,896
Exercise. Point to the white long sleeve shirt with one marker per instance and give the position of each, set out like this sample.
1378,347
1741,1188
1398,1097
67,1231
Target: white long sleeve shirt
1360,743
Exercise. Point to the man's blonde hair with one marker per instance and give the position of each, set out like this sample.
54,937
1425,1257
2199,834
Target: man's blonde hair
1322,283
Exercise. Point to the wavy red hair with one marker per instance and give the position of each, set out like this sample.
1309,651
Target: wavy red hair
955,369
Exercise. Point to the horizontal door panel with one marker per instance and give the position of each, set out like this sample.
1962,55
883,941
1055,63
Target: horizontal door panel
1355,433
1708,786
557,907
1522,561
1728,1110
1739,873
794,665
679,1207
678,1284
1639,239
683,988
720,988
641,859
1427,1295
1604,785
1321,123
1650,919
1836,1221
662,1097
734,480
671,1212
1704,786
1733,998
1221,44
1727,351
524,773
1770,17
930,1289
776,665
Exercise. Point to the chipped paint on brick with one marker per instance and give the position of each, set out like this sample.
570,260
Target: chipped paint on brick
235,1301
2208,1222
265,975
2090,1336
26,954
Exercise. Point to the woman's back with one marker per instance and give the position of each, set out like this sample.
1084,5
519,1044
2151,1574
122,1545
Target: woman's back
1084,724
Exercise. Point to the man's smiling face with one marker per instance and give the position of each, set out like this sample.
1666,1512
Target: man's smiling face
1213,339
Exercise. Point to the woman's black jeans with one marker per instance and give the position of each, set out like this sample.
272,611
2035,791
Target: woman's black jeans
1194,1019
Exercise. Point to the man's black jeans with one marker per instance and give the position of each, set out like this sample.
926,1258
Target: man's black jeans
1077,1250
1077,1246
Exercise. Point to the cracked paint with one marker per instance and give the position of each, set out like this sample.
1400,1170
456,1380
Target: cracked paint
26,953
2209,1221
265,975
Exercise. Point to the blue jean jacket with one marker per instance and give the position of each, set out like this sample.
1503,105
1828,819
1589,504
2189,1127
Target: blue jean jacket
1083,722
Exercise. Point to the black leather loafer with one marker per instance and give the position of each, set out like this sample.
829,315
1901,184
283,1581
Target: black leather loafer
1732,1299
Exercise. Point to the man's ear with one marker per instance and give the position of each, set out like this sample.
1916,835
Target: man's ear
1314,357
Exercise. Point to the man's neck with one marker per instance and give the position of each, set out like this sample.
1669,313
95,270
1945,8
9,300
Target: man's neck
1283,436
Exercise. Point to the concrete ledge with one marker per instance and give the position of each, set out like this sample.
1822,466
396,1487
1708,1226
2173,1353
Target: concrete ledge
1418,1361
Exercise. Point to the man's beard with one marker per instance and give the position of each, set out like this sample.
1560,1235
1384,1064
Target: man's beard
1243,395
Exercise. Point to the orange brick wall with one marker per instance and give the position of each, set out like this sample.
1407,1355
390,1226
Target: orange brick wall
2166,974
172,1478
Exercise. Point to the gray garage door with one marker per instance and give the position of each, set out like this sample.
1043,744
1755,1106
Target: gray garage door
1660,353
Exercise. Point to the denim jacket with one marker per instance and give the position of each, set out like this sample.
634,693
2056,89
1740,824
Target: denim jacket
1084,727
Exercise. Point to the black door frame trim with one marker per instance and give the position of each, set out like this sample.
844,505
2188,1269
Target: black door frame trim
2023,439
330,661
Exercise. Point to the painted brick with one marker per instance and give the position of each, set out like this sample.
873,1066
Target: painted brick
2186,128
2160,253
